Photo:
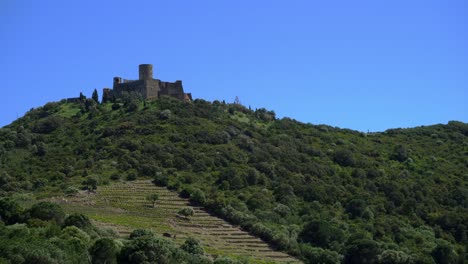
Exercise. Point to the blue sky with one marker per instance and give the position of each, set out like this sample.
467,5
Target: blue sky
365,65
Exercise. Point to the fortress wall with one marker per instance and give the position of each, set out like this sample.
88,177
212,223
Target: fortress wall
136,86
172,89
152,88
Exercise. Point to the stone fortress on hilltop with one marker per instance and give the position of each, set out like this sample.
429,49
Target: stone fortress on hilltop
146,86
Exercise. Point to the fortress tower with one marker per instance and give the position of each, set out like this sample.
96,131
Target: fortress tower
146,71
146,86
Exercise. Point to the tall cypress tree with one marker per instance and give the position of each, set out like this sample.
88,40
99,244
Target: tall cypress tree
95,96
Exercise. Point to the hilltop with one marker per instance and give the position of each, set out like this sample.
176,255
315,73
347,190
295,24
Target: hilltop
320,193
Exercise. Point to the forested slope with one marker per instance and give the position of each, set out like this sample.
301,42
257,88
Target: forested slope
321,193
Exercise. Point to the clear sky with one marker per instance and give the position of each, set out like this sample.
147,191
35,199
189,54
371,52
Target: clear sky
364,65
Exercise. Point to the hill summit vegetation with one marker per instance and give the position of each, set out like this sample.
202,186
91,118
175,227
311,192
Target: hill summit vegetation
323,194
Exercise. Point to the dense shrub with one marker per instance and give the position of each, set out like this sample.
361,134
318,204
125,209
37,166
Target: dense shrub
104,251
186,211
344,157
322,233
47,211
356,207
10,211
47,125
400,153
192,246
79,220
141,233
362,251
148,249
314,255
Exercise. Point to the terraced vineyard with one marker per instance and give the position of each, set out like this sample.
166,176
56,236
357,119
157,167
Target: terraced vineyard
123,207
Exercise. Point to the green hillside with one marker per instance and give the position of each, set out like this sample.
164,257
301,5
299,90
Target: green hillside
320,193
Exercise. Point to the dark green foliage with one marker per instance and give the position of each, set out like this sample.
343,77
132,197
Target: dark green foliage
322,233
362,251
395,257
198,197
131,101
79,220
265,115
47,211
90,106
104,251
161,179
10,211
258,200
141,233
147,249
41,241
95,96
318,255
153,198
131,176
356,207
192,246
344,157
47,125
149,170
116,106
90,184
400,153
71,191
23,139
444,253
186,211
309,189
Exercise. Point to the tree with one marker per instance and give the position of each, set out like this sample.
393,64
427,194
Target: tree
140,233
186,211
71,191
79,220
47,211
344,157
95,96
444,253
73,232
400,153
356,207
90,184
319,255
153,198
258,200
394,257
104,251
161,179
131,101
198,197
362,251
192,246
321,233
10,211
89,106
149,250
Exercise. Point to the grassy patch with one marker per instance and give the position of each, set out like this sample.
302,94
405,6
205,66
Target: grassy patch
68,110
